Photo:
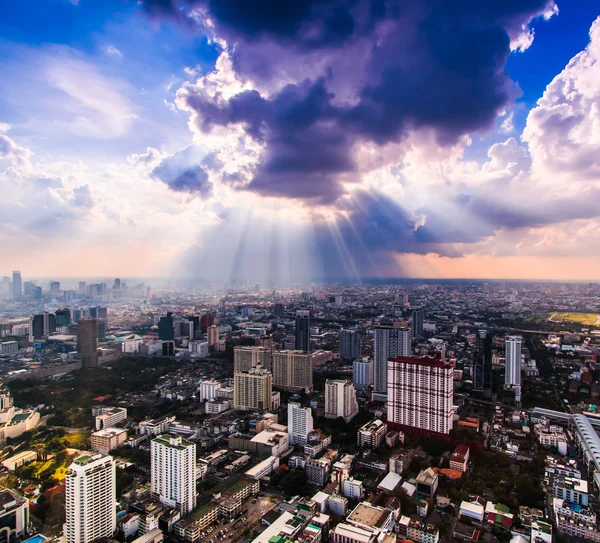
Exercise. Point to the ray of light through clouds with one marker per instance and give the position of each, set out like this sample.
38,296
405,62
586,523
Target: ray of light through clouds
288,142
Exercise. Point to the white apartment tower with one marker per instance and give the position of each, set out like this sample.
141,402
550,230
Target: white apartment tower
512,364
90,499
173,472
363,373
300,423
389,342
420,393
340,399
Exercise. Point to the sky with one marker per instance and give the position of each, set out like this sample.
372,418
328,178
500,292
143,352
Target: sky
289,142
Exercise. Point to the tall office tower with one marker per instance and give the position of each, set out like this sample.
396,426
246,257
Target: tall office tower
82,288
340,399
417,323
420,393
117,284
292,371
54,288
93,312
388,342
90,499
42,325
300,423
5,288
166,328
101,329
482,363
173,472
363,373
303,330
349,344
253,390
28,289
16,285
87,342
63,317
279,309
246,358
206,322
212,336
77,315
512,364
37,293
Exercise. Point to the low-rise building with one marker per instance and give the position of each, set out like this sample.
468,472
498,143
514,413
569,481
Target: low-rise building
460,459
427,482
108,417
372,434
107,439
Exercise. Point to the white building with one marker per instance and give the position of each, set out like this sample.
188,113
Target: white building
217,406
512,364
420,393
8,347
208,389
155,427
340,399
173,472
14,515
372,434
300,423
353,489
107,417
90,499
363,373
389,342
105,440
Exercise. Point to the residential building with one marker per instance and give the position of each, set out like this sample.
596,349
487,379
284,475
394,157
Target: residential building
155,427
105,440
246,358
460,458
14,515
427,482
363,373
340,399
303,330
90,499
417,531
300,423
371,435
87,342
420,393
253,390
173,472
512,364
107,417
389,342
541,532
353,489
570,489
292,371
317,471
207,389
212,335
350,343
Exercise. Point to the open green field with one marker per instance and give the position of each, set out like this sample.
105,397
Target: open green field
587,319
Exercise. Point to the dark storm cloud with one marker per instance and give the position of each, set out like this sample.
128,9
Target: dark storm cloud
182,173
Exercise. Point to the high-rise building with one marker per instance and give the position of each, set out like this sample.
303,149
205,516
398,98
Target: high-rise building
340,399
349,344
206,322
363,373
16,285
417,323
87,342
166,328
173,472
300,423
303,330
279,309
63,317
482,363
28,289
82,288
212,335
246,358
512,364
420,393
253,390
37,293
90,499
292,371
389,342
117,284
54,288
5,288
42,325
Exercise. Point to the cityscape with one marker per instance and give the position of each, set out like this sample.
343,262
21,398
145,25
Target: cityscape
299,271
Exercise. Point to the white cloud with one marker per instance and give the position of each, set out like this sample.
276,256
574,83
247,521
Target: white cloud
113,51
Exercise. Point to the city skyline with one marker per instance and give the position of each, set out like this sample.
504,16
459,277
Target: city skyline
180,139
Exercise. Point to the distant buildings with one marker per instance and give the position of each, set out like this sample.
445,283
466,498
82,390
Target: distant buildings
300,423
166,328
42,325
417,323
420,393
389,342
87,342
482,364
363,373
246,358
350,343
303,330
292,371
16,285
253,390
90,499
340,399
512,364
173,472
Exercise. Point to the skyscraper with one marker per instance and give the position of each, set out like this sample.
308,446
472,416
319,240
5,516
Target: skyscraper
340,399
54,288
5,288
349,344
300,423
117,284
420,393
253,390
82,288
245,358
363,373
303,330
212,336
512,364
166,329
292,371
417,323
87,342
482,363
28,289
42,325
16,285
206,322
389,342
90,499
173,472
63,317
